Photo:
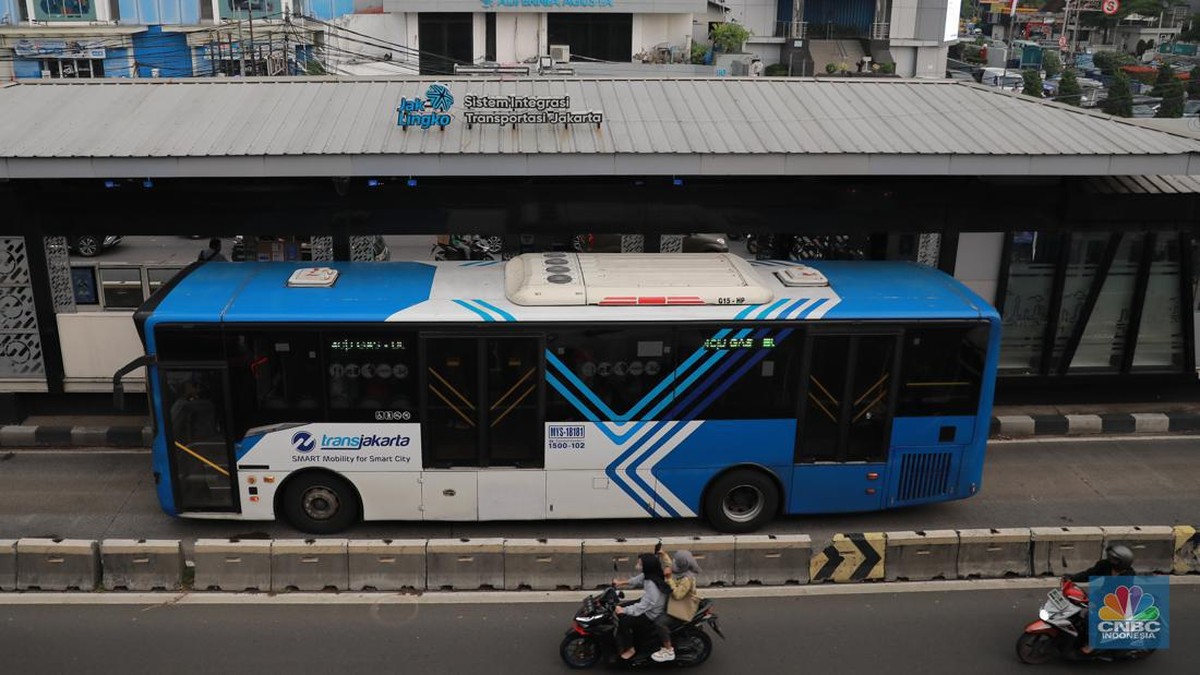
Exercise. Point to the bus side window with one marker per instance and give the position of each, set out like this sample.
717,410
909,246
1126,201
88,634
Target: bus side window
371,375
942,370
276,378
610,372
758,370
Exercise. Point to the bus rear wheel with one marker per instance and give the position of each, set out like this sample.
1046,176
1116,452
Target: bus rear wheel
320,503
743,500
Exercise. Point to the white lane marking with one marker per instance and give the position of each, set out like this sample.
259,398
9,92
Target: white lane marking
1101,438
522,597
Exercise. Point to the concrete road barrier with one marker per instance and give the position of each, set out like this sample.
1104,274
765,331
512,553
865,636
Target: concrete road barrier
141,564
856,556
57,564
1187,550
606,559
716,555
233,564
772,559
8,564
387,564
309,565
1065,550
543,564
922,555
993,553
464,564
1153,546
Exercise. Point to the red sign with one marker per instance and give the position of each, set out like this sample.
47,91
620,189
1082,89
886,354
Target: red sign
1111,7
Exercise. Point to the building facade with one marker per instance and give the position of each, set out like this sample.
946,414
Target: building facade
89,39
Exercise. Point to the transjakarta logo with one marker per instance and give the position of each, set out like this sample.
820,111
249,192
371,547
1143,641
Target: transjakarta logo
303,441
1130,617
431,111
363,441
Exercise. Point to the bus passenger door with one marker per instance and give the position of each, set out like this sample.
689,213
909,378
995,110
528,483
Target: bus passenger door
483,428
197,432
845,426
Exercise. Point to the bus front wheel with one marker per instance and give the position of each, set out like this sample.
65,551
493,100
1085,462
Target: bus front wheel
741,501
320,503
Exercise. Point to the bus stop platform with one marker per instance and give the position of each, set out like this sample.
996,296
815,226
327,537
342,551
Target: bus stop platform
1008,422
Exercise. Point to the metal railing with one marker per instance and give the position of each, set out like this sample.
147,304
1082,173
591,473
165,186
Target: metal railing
881,31
795,30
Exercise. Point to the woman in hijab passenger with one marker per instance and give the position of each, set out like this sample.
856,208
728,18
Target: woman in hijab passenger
684,600
642,614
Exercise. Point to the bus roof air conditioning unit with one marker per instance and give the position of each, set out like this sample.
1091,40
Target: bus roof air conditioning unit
560,53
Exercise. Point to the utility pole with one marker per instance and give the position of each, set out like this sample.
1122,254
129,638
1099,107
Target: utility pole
241,50
250,13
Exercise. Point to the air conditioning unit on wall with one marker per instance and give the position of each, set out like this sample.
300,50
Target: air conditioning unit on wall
560,53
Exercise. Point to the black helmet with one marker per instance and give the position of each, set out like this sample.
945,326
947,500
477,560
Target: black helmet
1119,555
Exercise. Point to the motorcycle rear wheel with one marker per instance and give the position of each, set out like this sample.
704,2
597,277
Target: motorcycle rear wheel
579,651
696,642
1036,648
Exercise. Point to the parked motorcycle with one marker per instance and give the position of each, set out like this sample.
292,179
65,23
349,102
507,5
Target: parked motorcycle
593,636
1056,634
467,247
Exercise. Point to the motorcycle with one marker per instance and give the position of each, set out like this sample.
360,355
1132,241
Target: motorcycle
593,636
467,247
1057,633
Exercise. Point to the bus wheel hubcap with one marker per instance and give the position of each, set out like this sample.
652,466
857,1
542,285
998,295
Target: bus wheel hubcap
320,503
743,503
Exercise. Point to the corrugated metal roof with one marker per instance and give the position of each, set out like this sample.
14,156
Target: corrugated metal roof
1144,185
688,126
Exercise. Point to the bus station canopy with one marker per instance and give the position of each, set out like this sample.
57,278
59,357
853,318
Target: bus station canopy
297,127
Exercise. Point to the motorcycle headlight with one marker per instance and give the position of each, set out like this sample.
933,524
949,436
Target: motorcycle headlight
1043,615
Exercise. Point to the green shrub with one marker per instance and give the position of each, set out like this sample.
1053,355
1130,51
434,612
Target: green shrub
830,68
776,70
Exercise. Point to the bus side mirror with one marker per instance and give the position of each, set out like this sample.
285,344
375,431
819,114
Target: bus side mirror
119,387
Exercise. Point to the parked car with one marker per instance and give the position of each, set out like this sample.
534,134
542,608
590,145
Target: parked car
92,245
245,248
692,243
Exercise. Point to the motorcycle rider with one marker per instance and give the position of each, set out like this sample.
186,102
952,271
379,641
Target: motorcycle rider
643,614
1117,562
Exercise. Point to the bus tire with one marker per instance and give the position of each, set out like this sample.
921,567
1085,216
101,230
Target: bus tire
742,500
319,502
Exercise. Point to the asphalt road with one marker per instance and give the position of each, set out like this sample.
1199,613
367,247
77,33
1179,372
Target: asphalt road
96,494
870,631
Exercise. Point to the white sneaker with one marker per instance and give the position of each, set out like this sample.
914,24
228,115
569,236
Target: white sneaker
663,655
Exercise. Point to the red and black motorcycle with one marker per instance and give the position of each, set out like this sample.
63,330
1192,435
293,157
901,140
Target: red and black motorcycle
1058,631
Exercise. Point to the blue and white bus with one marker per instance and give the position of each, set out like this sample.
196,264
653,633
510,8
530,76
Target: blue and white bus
565,385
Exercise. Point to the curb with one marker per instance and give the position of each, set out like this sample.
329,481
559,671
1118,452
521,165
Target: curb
1003,426
1108,424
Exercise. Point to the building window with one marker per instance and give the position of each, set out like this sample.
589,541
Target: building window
247,9
206,10
602,37
64,10
1033,261
72,68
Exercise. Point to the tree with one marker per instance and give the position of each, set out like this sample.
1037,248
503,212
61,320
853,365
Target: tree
1166,75
1033,83
729,37
1069,91
1120,98
1170,89
1051,63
